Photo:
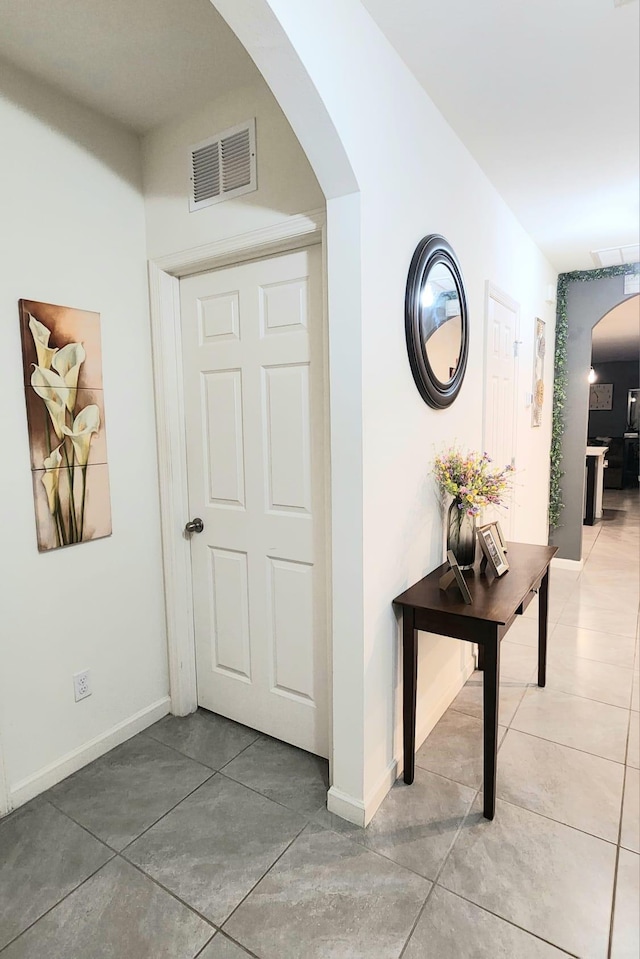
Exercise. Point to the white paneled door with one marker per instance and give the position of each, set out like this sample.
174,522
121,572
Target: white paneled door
500,390
255,421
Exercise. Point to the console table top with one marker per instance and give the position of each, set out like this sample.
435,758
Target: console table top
494,599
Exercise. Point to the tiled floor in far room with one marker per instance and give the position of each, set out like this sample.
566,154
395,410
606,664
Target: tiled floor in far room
201,838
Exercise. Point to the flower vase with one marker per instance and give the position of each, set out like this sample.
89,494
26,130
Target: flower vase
461,535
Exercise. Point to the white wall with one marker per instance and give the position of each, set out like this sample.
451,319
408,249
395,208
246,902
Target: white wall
286,182
73,233
415,177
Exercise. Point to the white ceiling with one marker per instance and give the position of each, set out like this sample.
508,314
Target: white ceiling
545,93
138,61
617,335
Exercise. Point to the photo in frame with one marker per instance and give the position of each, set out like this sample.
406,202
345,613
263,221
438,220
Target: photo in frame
494,555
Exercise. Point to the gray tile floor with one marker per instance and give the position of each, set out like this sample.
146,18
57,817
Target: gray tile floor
203,838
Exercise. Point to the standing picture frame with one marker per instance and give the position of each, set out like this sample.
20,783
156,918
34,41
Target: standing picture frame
454,575
494,555
498,529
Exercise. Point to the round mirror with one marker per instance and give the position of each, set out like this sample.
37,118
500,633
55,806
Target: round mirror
436,322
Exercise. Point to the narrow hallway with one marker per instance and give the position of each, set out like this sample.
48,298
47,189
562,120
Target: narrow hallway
203,838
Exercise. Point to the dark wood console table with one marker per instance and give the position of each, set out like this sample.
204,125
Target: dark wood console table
496,603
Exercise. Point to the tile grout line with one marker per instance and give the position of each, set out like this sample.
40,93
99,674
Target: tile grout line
434,882
174,895
75,821
616,762
147,828
206,945
176,749
257,739
509,922
229,778
118,854
615,870
226,937
165,814
557,822
263,876
590,699
59,902
297,812
624,709
308,819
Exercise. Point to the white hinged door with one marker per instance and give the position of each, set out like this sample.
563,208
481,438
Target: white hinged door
254,403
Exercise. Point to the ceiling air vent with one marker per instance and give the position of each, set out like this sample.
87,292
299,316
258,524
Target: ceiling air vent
223,166
616,255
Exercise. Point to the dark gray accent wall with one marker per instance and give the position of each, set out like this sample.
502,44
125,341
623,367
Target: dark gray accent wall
587,303
625,376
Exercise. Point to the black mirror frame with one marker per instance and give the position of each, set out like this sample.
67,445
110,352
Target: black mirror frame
430,250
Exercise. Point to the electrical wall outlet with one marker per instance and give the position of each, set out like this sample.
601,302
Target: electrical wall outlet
82,684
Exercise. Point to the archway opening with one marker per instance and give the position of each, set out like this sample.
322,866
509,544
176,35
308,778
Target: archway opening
614,382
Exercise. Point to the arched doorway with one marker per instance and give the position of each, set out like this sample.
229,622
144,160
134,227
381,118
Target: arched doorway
267,42
584,298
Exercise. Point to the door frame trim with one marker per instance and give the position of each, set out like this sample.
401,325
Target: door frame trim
165,272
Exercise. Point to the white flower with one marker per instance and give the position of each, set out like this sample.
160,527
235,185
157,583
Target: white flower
67,362
41,334
85,424
51,478
53,390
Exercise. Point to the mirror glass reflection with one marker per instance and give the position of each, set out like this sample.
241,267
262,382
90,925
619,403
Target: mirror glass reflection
440,322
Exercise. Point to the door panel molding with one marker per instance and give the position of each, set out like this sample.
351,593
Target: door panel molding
164,274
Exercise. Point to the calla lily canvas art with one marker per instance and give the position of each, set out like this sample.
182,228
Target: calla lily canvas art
62,361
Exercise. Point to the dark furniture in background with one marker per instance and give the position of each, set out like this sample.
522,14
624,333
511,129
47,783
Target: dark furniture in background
631,468
614,473
495,605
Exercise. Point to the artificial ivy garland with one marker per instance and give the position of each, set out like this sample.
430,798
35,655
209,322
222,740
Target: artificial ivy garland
560,376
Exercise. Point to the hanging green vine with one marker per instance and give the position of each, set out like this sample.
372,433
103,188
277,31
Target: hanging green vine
560,376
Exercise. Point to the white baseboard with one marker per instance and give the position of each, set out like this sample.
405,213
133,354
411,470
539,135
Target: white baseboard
375,796
572,564
33,785
345,806
361,813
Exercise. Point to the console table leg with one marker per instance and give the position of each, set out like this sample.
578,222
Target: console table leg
543,617
409,691
490,695
480,657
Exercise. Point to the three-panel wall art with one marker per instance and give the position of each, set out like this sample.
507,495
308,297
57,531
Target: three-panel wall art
62,360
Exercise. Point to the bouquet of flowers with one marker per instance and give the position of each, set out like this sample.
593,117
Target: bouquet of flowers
471,480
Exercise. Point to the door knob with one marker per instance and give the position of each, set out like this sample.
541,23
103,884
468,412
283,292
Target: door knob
195,526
